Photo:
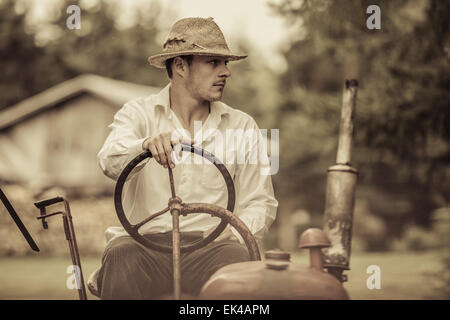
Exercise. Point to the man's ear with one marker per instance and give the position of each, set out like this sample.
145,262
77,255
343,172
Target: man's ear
180,66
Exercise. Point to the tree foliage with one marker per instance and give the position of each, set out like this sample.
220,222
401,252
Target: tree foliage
403,113
402,119
32,64
18,57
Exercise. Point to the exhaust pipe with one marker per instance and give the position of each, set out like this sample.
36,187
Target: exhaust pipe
340,192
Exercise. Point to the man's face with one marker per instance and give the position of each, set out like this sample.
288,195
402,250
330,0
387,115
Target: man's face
207,77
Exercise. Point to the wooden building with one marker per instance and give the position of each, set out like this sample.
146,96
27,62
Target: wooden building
52,139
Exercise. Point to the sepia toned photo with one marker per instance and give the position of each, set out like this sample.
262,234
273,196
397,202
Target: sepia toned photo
261,150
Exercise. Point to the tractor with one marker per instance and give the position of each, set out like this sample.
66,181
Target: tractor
275,277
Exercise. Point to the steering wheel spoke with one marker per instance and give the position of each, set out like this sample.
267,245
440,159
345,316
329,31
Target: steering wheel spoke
137,226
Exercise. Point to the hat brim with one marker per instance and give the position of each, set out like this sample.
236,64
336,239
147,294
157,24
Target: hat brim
159,60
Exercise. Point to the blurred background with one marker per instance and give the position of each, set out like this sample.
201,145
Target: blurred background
60,89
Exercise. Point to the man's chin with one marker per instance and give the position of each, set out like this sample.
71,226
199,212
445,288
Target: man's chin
216,97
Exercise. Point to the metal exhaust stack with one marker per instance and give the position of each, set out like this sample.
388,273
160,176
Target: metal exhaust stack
340,192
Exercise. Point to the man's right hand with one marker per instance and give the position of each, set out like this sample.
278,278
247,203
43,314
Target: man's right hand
161,147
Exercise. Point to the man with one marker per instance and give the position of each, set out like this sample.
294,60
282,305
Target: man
187,109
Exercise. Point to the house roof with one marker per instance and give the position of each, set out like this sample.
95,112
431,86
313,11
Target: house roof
114,91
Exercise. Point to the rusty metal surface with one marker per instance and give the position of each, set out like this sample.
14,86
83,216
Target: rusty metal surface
277,254
227,217
340,192
276,278
153,216
344,152
176,253
70,237
314,237
255,281
339,205
175,209
277,259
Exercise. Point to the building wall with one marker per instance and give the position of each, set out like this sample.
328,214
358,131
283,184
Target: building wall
58,147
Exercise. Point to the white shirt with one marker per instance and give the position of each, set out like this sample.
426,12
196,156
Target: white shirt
147,189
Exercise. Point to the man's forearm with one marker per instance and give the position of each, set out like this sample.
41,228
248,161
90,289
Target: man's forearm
258,219
114,156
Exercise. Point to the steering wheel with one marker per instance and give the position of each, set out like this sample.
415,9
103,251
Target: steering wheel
176,204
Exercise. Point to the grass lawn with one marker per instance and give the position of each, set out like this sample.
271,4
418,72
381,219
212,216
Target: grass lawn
403,276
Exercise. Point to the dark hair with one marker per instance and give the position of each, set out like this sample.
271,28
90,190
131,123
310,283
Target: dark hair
187,58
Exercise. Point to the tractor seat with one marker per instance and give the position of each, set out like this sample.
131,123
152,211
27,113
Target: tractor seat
93,288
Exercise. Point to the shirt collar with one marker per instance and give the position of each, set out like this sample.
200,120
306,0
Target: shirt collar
218,109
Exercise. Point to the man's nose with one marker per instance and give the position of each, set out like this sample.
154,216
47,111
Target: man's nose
225,72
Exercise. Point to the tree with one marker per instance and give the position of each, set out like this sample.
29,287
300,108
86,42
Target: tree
18,57
402,117
31,64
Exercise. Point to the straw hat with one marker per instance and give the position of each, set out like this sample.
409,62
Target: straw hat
196,36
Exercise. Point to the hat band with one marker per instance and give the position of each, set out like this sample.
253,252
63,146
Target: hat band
178,45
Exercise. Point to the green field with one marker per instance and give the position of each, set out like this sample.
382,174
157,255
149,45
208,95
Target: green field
403,276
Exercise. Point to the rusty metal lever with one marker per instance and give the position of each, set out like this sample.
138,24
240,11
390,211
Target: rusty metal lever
70,236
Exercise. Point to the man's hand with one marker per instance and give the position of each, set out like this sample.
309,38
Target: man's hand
161,147
226,234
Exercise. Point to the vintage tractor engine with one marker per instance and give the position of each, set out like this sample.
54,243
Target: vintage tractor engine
277,277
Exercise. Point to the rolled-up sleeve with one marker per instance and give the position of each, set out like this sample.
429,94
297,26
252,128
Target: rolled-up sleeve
124,142
256,203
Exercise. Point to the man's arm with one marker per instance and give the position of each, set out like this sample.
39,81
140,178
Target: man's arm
124,141
128,139
256,205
